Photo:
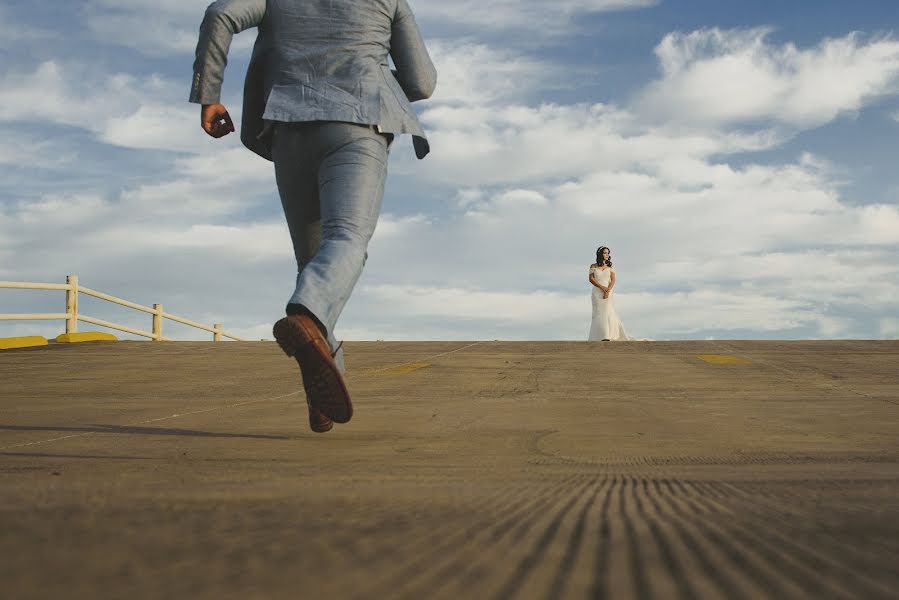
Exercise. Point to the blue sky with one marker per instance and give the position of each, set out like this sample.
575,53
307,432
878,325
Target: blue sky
736,156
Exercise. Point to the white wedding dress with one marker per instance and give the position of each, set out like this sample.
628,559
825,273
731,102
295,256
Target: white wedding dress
605,324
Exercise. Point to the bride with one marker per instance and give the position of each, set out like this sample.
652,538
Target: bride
606,325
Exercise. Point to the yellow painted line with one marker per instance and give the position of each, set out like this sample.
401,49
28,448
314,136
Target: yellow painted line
22,342
87,336
723,359
399,370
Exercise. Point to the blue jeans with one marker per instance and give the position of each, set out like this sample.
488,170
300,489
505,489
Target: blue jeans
331,180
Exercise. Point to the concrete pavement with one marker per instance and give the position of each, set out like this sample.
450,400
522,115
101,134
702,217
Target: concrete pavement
471,469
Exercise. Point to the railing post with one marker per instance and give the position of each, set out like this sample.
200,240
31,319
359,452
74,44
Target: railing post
157,323
217,334
72,304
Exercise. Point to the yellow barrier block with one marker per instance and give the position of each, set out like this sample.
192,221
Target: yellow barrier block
87,336
400,370
723,359
22,342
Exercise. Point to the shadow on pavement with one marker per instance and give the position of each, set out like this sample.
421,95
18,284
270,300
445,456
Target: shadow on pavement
85,456
100,428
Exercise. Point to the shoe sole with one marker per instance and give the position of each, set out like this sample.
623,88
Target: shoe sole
321,430
322,380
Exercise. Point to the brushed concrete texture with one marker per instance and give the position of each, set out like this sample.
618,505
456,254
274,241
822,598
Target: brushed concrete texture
470,470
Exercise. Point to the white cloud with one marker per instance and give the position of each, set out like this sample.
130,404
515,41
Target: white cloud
703,244
46,95
423,312
226,165
520,199
889,328
172,126
477,74
689,313
714,76
663,194
214,186
153,36
476,276
741,223
469,196
24,150
69,94
247,243
461,303
148,112
538,188
159,28
60,212
390,226
504,144
199,212
179,8
532,15
170,27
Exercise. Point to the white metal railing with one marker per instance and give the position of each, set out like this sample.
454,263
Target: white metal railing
72,316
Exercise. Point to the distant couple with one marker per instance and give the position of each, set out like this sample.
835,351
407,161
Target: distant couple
321,102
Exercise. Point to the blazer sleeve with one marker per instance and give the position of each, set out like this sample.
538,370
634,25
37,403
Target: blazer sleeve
223,19
414,70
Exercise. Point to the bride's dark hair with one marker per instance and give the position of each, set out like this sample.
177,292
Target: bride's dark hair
599,259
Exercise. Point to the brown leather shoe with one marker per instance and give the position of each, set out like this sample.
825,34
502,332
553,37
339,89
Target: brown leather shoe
318,422
326,391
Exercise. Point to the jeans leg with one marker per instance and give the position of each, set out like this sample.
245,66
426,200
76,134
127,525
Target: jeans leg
296,173
296,176
351,178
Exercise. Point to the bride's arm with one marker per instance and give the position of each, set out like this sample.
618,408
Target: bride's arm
592,279
608,291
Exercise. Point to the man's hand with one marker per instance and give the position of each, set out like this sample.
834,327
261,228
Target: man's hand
215,120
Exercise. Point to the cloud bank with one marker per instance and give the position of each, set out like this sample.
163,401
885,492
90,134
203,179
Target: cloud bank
509,207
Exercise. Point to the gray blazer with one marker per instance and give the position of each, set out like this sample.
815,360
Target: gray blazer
319,60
